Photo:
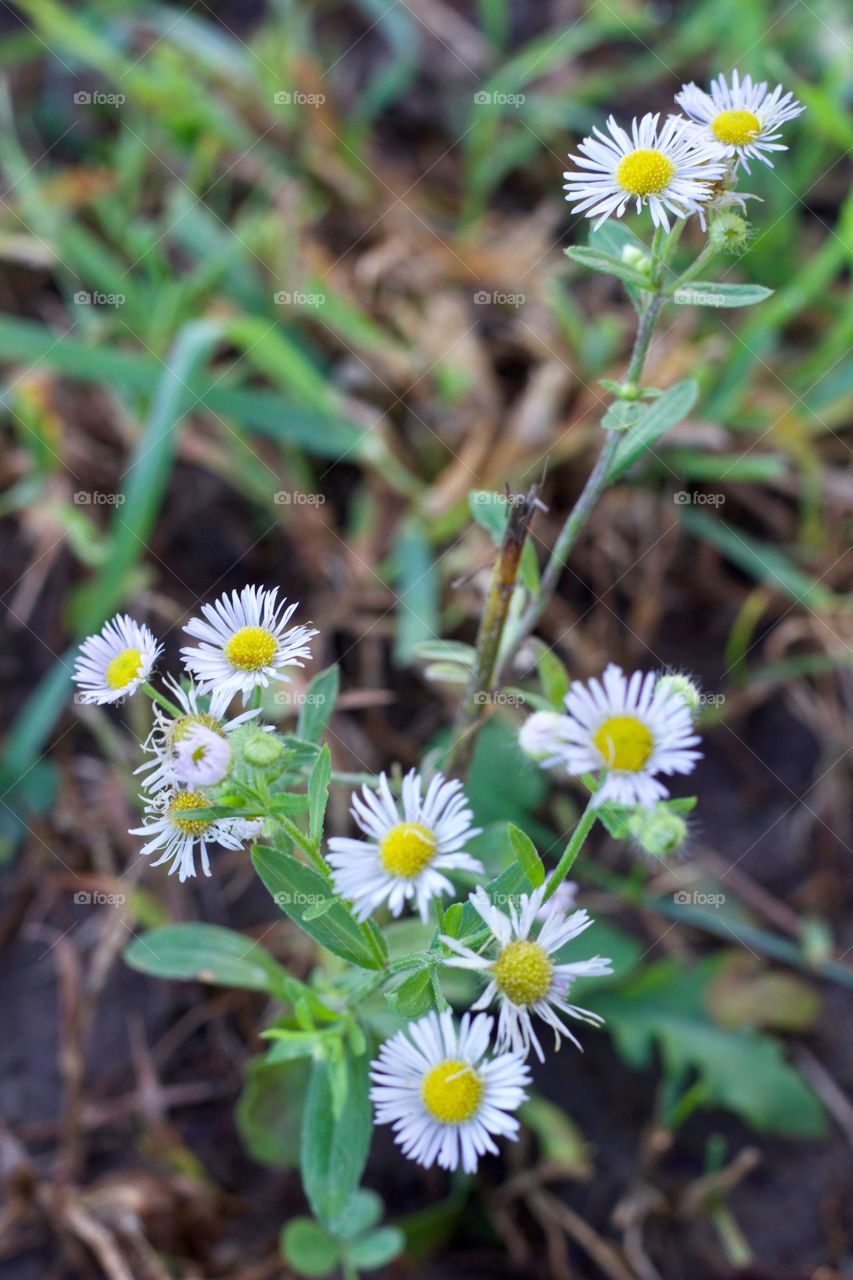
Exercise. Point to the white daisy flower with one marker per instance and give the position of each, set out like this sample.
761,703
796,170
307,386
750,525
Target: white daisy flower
741,117
169,732
523,975
670,169
170,827
630,729
245,642
202,757
537,736
405,853
445,1099
115,662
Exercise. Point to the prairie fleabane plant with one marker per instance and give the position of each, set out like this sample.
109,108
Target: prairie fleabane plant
414,902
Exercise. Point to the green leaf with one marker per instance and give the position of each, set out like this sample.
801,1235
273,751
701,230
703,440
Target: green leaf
308,1248
318,705
706,293
737,1069
611,266
318,793
206,953
552,673
660,416
269,1110
296,887
362,1212
445,651
623,414
377,1249
417,591
528,857
335,1141
414,996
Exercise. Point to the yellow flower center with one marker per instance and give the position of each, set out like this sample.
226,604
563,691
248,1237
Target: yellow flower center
125,667
251,648
185,802
181,727
452,1091
523,972
625,743
644,172
735,128
407,849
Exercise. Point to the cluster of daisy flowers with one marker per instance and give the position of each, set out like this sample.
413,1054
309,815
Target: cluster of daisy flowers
685,164
244,644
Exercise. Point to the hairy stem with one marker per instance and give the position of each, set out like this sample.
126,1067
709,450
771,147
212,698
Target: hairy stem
576,842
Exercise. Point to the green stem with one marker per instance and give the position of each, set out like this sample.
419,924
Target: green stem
164,702
710,251
585,824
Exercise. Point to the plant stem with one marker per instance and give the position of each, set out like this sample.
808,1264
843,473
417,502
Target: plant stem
490,633
576,842
164,702
596,482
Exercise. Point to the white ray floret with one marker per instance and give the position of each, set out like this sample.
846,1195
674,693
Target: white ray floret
245,642
740,116
169,732
115,662
171,830
405,854
523,975
671,169
629,729
445,1098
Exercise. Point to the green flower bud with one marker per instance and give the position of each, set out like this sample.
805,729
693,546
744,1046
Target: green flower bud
684,686
729,231
658,831
636,258
262,749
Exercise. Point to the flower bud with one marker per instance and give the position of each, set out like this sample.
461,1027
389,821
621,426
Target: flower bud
684,686
262,749
729,231
657,831
538,736
634,257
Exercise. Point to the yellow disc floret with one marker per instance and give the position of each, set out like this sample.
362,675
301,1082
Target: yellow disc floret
624,742
125,667
645,172
452,1091
407,849
185,802
523,972
735,128
251,648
